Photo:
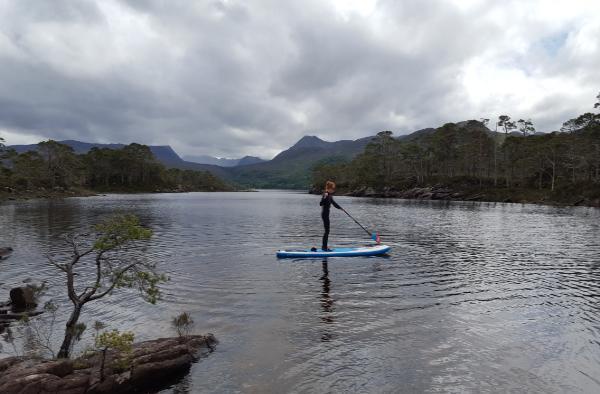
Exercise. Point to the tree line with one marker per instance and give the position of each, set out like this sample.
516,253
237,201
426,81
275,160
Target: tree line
133,168
511,156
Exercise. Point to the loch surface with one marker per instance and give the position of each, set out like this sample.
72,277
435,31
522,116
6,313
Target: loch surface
473,297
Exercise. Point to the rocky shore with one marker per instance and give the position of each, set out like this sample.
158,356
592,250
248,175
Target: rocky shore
420,193
8,193
153,365
444,192
11,194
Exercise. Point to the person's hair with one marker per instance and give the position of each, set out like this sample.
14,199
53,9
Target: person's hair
329,185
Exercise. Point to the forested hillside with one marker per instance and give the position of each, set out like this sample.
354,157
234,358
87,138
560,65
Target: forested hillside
513,163
54,167
292,168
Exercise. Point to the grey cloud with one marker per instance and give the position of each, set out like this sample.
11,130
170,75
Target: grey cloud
231,78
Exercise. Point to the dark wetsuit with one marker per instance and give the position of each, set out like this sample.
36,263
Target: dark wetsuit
326,202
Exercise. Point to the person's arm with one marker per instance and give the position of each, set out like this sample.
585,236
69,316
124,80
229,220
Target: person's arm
323,198
335,204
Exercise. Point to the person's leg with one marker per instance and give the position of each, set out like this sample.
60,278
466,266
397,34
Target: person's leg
326,234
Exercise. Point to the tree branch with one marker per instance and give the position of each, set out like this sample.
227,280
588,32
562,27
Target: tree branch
70,284
116,279
72,240
51,261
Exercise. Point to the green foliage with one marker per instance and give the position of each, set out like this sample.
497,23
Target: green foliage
118,231
188,180
109,260
507,124
98,326
183,324
469,150
133,168
29,171
146,281
122,342
526,127
292,168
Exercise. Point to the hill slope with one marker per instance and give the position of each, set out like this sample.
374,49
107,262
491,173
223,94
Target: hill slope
163,153
223,162
291,168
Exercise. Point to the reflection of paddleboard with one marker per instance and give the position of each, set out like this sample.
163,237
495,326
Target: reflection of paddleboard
336,252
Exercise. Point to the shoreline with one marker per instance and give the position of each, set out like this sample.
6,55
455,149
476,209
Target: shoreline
426,193
444,193
16,195
47,194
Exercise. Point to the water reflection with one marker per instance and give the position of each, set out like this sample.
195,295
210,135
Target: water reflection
326,302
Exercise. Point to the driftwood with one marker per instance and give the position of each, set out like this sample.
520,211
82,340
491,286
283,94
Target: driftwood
152,365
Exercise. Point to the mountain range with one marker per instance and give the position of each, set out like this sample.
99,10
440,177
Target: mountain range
290,169
163,153
223,161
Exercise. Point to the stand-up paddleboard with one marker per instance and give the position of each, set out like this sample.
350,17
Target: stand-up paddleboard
336,252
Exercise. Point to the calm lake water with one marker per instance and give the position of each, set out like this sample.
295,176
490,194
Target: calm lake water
473,297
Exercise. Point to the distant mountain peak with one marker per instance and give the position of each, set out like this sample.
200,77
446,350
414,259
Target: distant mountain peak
246,160
310,138
222,161
310,141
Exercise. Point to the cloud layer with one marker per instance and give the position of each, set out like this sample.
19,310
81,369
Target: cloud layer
230,78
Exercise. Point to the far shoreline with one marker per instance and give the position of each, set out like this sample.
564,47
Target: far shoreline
427,193
442,193
16,195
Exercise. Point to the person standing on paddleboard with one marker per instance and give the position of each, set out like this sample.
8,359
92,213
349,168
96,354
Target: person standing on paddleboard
326,203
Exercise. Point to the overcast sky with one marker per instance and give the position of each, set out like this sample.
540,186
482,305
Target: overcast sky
230,78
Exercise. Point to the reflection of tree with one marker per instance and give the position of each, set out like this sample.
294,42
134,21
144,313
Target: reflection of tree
326,302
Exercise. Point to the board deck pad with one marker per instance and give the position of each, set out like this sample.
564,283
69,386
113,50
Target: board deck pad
335,252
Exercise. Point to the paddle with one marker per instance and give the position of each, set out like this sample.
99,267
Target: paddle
374,236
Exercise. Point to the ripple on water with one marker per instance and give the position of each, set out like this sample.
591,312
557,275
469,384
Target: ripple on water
474,296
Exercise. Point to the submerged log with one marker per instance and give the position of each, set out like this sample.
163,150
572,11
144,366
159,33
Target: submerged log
152,365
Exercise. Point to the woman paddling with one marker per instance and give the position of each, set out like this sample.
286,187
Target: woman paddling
326,202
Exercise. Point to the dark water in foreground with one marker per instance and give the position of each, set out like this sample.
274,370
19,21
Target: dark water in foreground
474,296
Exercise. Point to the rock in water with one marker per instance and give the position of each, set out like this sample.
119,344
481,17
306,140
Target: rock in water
152,364
22,298
5,252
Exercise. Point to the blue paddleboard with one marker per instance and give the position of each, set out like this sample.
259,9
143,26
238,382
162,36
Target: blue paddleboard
336,252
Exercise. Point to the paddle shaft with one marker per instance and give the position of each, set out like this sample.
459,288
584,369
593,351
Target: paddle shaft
356,221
